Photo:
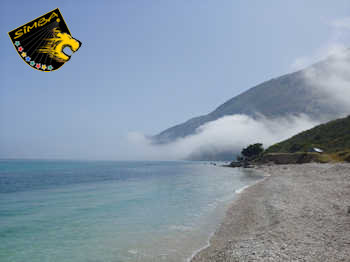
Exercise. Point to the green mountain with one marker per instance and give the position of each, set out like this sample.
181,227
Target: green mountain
289,94
331,137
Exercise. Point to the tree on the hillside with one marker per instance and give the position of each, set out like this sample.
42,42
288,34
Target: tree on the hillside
252,151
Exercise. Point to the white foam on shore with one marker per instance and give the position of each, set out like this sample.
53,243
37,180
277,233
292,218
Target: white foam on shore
133,251
181,228
238,191
202,248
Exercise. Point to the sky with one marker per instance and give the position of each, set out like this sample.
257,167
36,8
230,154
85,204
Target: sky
145,66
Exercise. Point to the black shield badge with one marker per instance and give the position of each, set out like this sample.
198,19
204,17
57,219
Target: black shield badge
41,42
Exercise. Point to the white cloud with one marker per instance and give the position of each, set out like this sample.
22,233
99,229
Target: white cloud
332,78
329,49
338,41
227,133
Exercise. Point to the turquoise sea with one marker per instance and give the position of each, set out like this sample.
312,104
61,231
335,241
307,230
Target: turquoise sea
104,211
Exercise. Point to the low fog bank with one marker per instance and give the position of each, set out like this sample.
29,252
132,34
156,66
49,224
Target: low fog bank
222,137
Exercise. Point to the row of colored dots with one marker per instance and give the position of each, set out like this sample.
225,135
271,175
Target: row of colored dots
28,59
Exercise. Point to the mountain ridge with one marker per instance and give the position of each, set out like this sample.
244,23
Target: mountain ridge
289,94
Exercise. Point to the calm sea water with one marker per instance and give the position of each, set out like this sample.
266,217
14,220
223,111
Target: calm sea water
85,211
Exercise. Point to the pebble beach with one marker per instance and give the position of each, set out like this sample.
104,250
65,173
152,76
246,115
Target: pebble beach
297,213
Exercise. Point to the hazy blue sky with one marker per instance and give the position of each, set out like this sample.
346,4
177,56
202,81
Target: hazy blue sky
147,65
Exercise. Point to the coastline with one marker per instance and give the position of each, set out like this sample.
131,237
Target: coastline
212,234
296,213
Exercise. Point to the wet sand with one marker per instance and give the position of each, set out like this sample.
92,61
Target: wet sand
297,213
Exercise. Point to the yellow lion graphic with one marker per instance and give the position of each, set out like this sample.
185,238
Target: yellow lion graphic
54,46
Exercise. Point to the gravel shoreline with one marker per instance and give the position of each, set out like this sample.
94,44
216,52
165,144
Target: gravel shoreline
297,213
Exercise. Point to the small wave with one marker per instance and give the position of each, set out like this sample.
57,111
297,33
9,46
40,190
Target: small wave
133,251
181,228
200,249
240,190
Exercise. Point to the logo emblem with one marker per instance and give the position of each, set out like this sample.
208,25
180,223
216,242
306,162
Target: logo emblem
43,42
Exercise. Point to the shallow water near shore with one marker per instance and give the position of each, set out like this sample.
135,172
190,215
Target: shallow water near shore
112,211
